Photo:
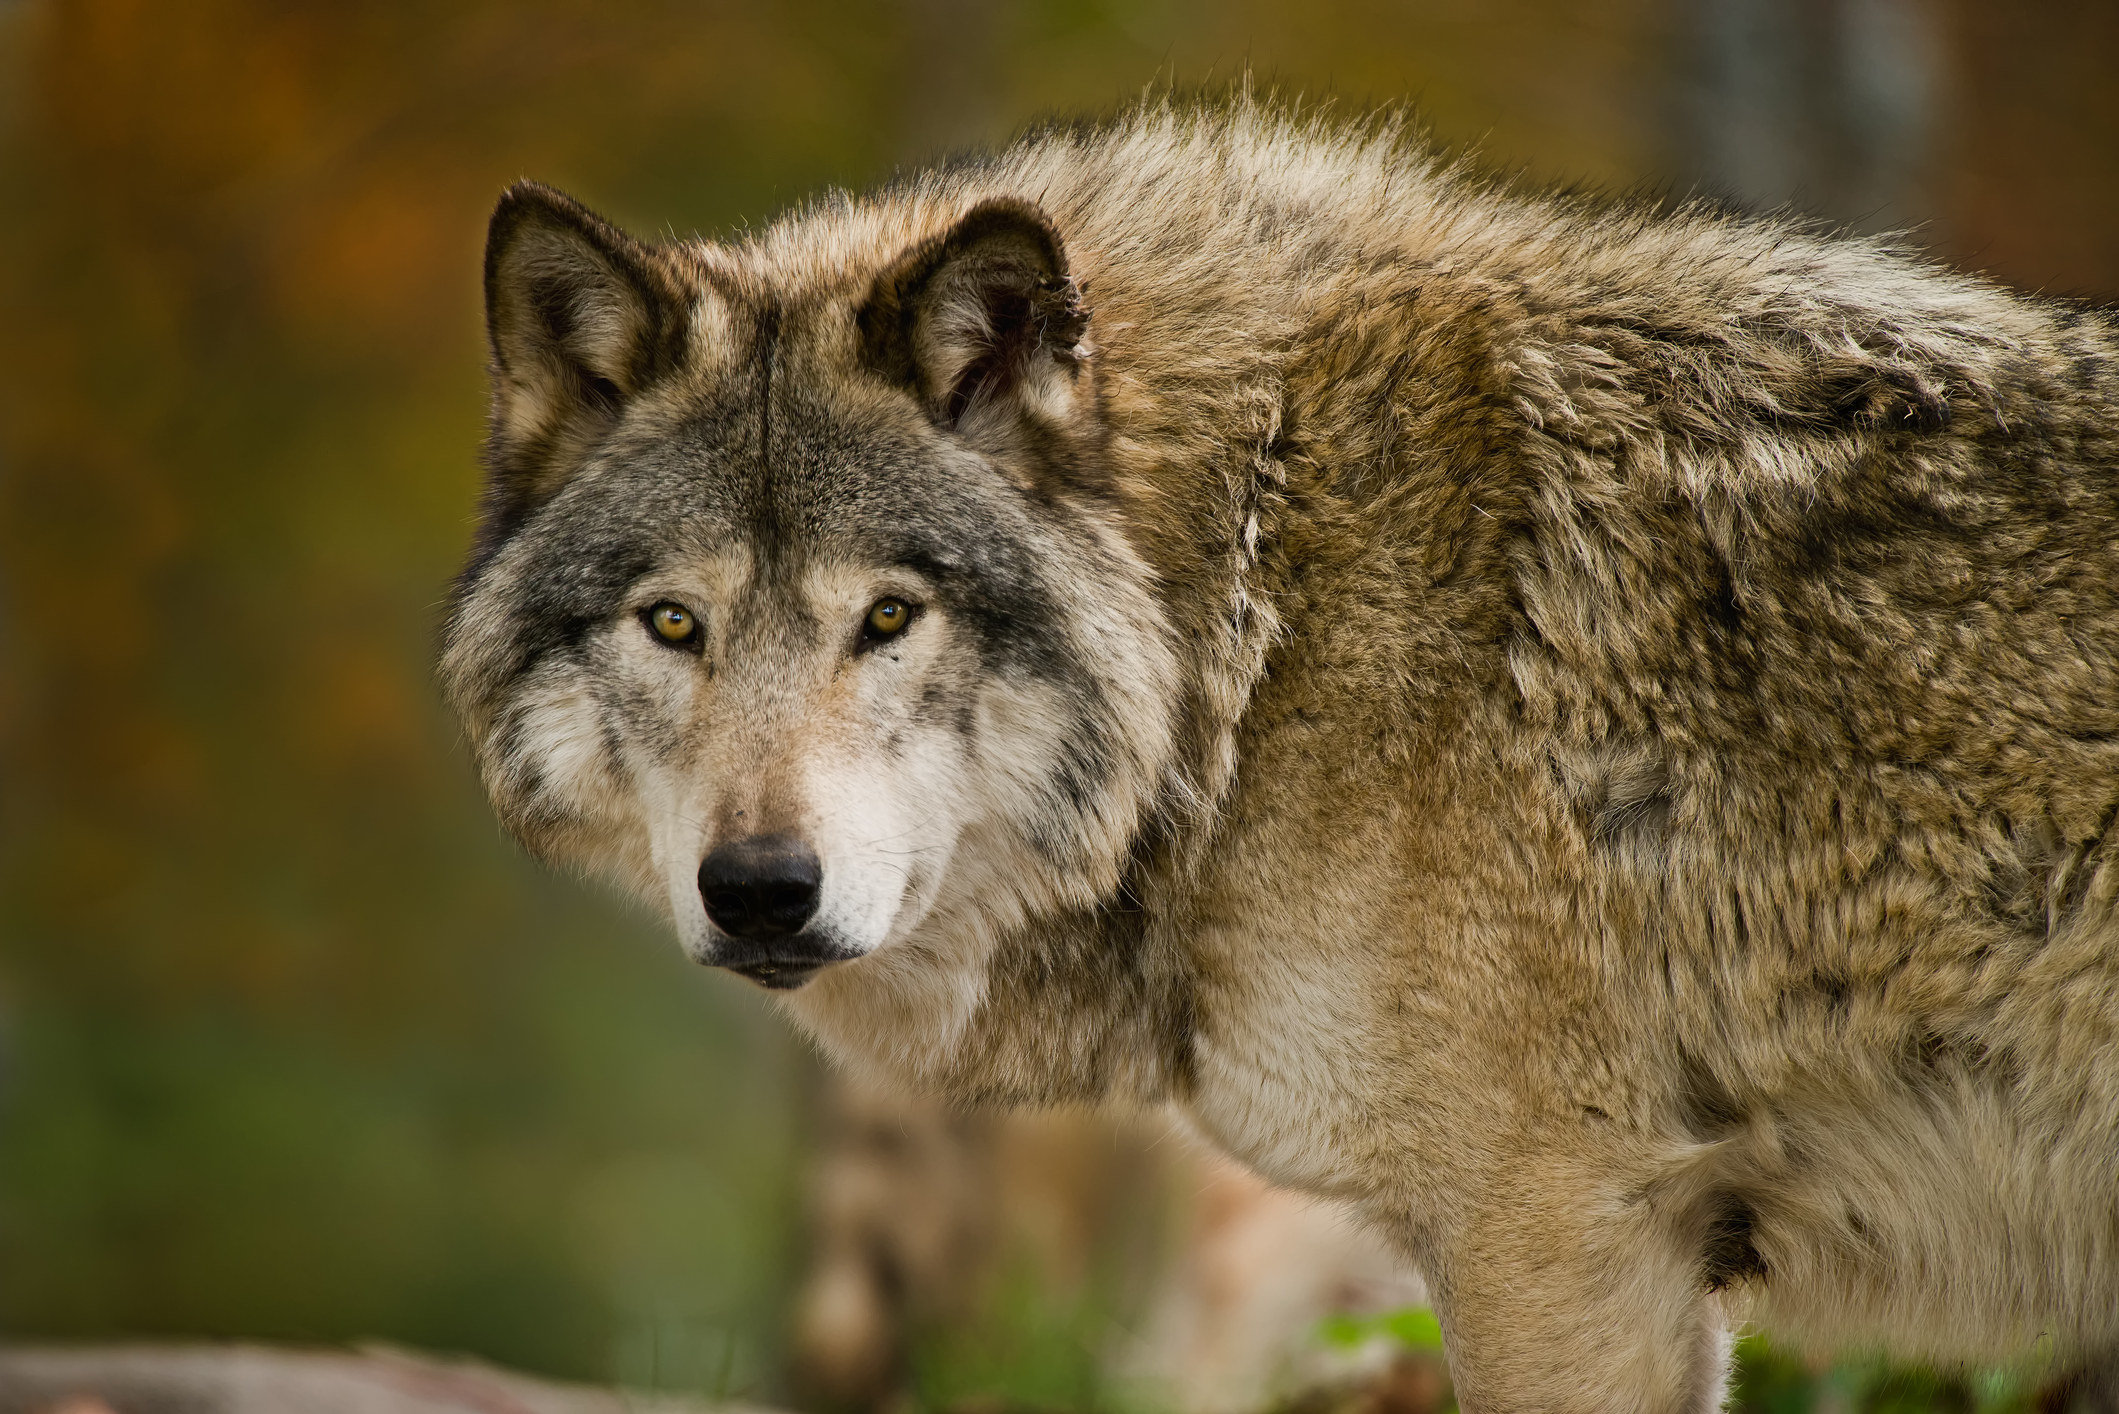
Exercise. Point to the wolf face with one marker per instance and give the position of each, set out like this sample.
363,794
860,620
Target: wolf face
797,603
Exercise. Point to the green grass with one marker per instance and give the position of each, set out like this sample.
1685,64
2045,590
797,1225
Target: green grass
1771,1381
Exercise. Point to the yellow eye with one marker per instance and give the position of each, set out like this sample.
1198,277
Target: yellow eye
672,623
888,616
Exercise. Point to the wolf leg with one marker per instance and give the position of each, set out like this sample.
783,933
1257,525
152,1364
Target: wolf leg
1572,1299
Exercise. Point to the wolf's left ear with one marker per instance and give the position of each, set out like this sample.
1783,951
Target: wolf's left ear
581,318
983,322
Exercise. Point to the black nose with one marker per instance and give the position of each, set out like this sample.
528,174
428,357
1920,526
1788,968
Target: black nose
762,887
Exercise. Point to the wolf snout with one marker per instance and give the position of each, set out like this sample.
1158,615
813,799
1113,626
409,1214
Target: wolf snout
761,892
762,888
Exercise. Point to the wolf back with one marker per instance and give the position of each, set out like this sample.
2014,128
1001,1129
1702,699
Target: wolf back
1587,730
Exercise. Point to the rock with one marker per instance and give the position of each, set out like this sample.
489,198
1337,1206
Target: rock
252,1379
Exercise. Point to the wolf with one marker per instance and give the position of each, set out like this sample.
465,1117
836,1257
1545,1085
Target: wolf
1586,730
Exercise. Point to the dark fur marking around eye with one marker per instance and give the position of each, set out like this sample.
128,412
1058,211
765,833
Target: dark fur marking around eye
1014,620
571,592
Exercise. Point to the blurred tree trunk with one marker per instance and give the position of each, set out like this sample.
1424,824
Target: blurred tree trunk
2031,182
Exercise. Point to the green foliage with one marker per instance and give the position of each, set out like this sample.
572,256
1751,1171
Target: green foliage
1770,1381
1413,1327
1043,1339
553,1195
1025,1348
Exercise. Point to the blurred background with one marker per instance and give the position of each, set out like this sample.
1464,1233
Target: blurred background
293,1044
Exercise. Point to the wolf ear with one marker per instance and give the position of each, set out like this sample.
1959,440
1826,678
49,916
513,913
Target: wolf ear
580,317
982,322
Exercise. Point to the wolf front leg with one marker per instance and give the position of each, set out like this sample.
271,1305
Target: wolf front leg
1561,1295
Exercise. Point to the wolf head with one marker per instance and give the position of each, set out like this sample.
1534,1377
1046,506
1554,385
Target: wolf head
802,601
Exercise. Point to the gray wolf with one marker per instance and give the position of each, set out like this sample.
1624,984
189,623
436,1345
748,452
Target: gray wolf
1589,732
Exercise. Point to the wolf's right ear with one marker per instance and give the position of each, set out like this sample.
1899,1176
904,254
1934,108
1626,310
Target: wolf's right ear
580,317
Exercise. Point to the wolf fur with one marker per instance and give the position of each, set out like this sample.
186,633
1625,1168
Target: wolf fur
1589,731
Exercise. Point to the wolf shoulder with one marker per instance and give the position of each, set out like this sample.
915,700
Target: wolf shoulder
1639,446
1759,583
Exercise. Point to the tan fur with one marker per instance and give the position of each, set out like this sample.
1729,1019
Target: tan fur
1629,800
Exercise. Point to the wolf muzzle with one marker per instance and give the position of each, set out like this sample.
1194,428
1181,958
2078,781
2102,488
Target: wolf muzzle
760,894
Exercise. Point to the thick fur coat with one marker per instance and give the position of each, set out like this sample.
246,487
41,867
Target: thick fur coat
1589,731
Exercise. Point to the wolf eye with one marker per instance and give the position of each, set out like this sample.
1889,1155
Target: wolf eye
673,624
886,619
887,616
